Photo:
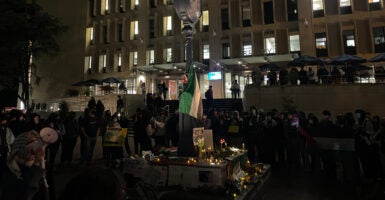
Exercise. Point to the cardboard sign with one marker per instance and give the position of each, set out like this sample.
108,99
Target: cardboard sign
208,140
115,137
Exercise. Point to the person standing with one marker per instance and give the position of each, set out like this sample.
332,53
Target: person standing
164,89
6,139
119,104
99,109
69,138
90,130
92,103
143,87
209,97
235,89
25,168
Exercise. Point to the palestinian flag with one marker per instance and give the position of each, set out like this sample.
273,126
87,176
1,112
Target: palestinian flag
190,100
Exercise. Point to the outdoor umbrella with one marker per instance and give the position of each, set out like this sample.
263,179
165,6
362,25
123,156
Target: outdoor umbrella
378,58
111,80
346,59
305,60
269,67
91,82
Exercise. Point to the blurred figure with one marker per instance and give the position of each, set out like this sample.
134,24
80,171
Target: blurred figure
97,184
6,140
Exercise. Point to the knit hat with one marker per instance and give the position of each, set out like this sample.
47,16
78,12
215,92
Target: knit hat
26,147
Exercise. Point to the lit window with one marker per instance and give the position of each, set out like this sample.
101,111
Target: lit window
270,45
294,43
168,55
90,62
318,5
135,58
247,49
226,50
344,3
134,30
205,18
206,51
151,56
374,1
350,41
167,25
107,6
104,60
379,35
119,59
134,4
92,33
320,42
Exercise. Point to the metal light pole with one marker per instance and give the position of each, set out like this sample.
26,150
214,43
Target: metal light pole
189,11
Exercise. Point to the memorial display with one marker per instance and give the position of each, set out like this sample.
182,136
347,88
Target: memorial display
227,168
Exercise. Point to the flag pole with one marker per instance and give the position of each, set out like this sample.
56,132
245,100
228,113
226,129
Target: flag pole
189,11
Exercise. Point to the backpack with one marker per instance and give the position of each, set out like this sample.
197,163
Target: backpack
207,94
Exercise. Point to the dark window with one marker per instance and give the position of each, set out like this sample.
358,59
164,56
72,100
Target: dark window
226,50
152,28
169,33
321,45
91,8
120,32
105,34
225,18
169,2
375,6
268,12
349,42
292,10
121,6
246,16
379,39
152,4
206,62
345,10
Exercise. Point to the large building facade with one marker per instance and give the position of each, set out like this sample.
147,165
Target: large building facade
141,41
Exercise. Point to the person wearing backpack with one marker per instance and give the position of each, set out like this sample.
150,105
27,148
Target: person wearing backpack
209,97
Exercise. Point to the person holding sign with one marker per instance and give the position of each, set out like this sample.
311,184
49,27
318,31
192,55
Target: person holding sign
114,139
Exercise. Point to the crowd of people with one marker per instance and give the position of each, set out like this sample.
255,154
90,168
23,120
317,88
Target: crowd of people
347,143
282,139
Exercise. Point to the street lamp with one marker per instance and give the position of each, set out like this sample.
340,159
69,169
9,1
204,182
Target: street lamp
189,11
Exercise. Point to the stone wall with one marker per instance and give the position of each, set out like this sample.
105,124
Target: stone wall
316,98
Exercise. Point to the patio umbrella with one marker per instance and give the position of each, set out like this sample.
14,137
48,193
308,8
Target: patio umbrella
378,58
91,82
111,80
305,60
346,59
269,67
